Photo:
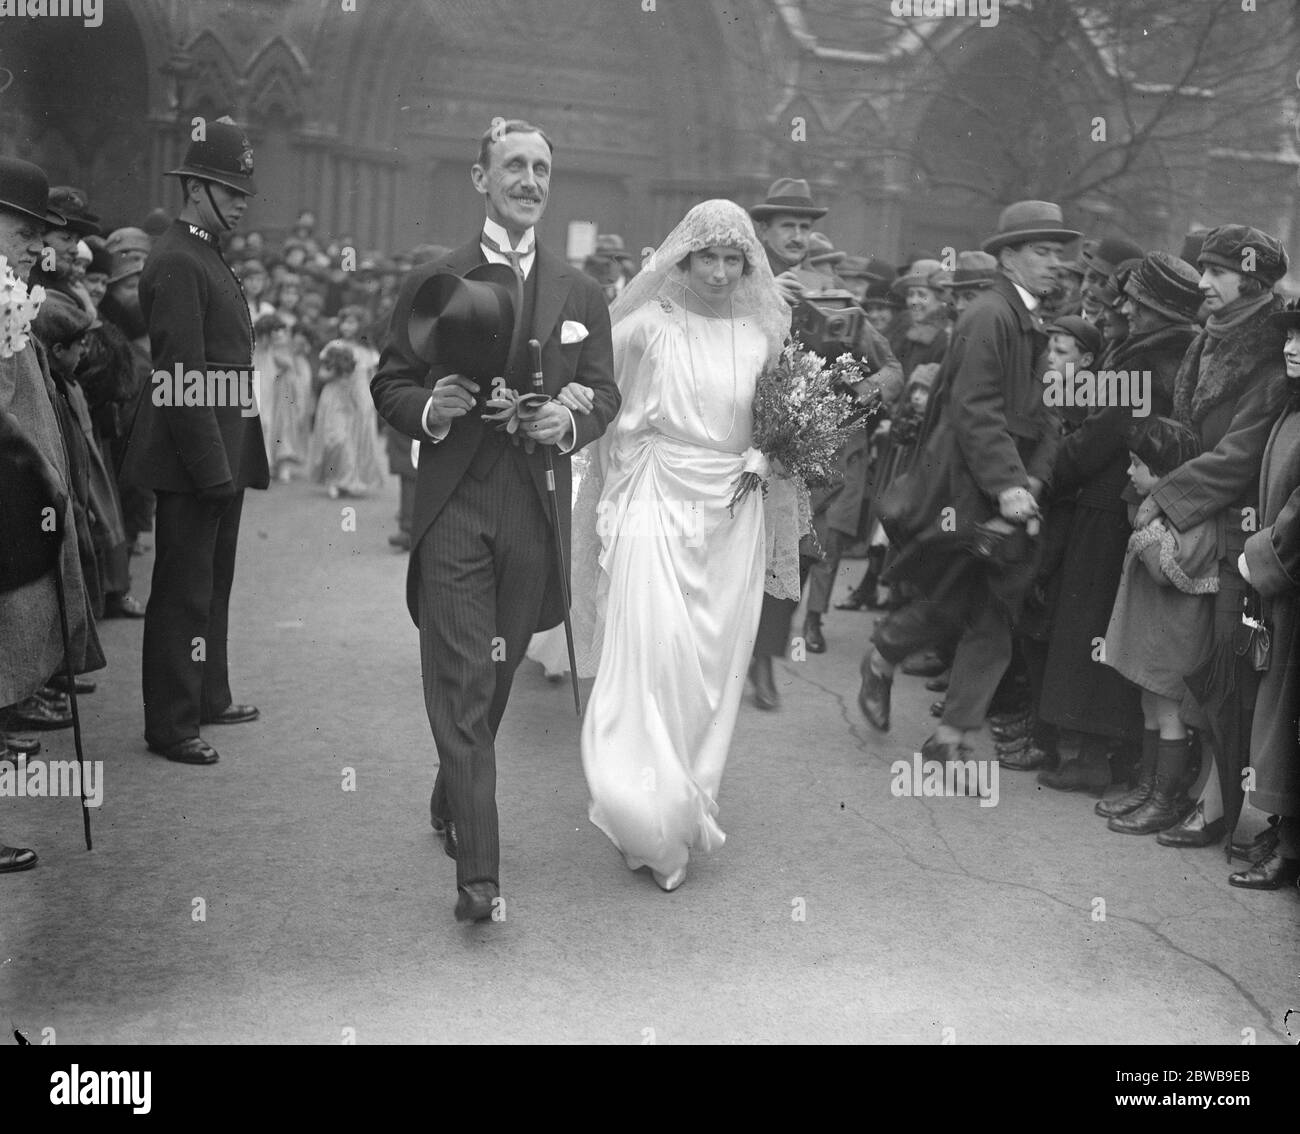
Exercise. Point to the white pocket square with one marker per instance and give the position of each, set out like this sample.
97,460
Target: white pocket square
572,332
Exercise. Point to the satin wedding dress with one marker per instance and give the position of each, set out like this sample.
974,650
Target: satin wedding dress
679,584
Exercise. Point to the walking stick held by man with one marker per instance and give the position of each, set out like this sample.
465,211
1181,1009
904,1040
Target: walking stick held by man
535,354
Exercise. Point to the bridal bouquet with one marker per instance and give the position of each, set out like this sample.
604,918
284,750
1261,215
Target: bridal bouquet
804,410
18,308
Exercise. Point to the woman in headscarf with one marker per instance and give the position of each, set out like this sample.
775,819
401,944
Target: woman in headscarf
668,581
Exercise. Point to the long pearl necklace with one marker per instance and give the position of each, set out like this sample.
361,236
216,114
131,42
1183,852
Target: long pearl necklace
690,357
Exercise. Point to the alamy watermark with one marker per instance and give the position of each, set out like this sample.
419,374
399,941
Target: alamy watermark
986,11
212,388
38,779
920,777
89,12
1085,388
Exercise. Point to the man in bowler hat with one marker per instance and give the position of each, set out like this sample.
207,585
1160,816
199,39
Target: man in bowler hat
198,459
483,574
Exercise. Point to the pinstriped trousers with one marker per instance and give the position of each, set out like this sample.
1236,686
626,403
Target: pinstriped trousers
484,563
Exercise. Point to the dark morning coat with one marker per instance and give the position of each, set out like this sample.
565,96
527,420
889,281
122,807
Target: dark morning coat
1080,691
988,427
402,383
197,316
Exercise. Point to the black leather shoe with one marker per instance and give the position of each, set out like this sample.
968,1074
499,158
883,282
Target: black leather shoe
1270,873
191,750
14,859
123,606
1194,831
812,634
929,664
760,673
83,684
36,713
938,684
1002,719
1247,850
476,901
1027,759
873,696
1016,730
234,714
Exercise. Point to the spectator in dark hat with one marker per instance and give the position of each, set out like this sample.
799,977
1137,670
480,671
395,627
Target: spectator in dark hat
973,273
98,270
1101,258
1231,388
64,326
610,265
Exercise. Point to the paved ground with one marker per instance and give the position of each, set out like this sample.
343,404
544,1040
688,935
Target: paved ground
836,911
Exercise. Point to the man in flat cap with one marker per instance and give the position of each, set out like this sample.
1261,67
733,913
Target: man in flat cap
198,459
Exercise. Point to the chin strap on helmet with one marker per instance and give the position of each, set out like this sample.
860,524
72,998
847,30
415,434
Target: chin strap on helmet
221,217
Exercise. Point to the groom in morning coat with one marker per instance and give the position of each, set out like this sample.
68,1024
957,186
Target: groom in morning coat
482,576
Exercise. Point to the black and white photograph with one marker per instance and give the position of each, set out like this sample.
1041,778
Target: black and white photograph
650,522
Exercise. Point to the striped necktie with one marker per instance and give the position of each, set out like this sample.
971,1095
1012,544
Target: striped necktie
515,258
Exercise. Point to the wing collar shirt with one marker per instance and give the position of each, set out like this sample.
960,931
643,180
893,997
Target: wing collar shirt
528,247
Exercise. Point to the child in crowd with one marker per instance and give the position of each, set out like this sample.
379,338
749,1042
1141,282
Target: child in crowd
284,398
345,455
1161,629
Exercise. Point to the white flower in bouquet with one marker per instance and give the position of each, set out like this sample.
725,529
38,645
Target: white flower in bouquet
18,307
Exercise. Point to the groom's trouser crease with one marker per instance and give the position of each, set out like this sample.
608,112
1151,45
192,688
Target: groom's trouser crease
483,567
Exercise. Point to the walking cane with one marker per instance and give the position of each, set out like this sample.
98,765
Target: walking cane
71,679
535,353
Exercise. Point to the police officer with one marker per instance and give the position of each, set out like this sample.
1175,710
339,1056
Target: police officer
198,459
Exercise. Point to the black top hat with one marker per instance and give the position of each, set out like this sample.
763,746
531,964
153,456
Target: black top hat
468,324
222,155
25,189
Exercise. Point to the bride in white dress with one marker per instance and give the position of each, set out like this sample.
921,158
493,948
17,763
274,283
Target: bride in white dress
668,584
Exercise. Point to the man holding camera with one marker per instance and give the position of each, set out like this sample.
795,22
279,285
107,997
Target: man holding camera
989,445
783,223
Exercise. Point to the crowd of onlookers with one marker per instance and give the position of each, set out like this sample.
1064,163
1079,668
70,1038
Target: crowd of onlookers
1154,642
1154,636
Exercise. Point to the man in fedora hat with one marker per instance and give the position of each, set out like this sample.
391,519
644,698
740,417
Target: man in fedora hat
198,459
35,475
783,223
987,452
610,265
483,576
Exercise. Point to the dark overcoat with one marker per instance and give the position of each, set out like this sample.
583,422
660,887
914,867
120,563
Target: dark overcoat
1080,691
198,318
1273,559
